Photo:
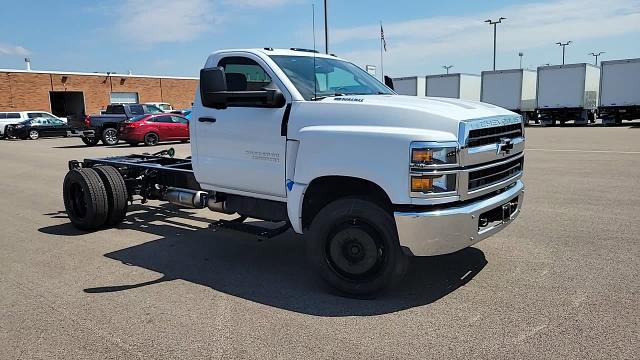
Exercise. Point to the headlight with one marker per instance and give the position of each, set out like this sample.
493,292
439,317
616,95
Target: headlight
430,156
19,126
433,184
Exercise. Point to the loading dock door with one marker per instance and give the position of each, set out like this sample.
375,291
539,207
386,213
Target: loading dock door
68,104
124,98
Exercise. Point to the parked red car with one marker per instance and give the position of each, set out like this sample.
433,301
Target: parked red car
150,129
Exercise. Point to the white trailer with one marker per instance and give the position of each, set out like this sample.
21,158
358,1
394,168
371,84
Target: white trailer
457,86
568,93
513,90
412,85
620,91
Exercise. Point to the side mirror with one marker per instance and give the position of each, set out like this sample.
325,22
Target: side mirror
213,88
389,82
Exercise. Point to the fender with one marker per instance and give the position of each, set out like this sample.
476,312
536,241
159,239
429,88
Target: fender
377,154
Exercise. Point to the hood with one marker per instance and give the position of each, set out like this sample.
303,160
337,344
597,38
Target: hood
407,114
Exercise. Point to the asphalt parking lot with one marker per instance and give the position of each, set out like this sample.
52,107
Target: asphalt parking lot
560,283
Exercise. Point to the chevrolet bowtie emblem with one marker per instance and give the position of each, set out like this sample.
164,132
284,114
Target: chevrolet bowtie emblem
505,146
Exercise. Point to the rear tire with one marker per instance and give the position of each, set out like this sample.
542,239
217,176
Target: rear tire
151,139
110,136
93,141
85,199
117,195
353,244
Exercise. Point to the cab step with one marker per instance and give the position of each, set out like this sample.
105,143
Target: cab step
261,232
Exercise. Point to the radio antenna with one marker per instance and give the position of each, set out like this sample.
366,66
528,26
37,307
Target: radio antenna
315,85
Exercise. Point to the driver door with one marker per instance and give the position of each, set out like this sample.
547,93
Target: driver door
240,148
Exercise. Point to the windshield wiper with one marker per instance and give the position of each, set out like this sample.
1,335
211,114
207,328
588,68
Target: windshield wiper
316,98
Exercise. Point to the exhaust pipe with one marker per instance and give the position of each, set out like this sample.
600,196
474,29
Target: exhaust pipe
195,200
219,206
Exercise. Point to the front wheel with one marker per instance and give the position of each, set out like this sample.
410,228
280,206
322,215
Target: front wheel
353,243
110,136
34,134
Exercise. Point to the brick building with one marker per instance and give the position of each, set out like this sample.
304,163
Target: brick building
74,93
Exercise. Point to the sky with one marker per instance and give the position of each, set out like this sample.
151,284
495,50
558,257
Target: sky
174,37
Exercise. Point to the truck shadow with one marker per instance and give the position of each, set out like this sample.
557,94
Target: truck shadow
274,272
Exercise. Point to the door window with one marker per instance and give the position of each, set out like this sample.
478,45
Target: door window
136,109
244,74
163,119
13,116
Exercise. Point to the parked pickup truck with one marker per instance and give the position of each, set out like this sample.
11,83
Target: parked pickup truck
318,145
105,126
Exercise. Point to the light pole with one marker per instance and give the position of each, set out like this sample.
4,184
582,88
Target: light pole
564,45
495,26
521,55
447,67
597,55
326,29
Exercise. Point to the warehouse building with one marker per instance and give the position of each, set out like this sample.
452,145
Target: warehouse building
79,94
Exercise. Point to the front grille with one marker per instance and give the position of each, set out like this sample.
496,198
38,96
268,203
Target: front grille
487,177
492,135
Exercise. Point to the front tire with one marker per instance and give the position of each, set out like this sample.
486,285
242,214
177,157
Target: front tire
34,134
110,136
85,199
353,244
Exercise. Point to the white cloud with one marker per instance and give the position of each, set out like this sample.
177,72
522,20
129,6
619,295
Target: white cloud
258,3
13,50
167,21
528,26
164,21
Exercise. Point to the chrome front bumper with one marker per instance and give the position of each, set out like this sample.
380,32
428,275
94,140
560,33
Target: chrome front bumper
448,230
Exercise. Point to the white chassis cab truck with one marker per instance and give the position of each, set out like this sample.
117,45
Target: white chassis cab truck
318,145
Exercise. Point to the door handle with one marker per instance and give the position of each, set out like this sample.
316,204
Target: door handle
207,119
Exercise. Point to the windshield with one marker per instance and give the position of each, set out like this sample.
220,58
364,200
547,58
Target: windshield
152,109
331,77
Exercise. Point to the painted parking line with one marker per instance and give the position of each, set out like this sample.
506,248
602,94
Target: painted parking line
586,151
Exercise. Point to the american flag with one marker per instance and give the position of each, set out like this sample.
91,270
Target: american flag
384,42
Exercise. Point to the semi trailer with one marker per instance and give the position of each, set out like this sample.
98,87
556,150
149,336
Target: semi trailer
568,93
456,86
514,90
368,177
619,91
412,85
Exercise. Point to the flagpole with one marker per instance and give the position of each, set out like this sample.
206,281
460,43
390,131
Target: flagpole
381,49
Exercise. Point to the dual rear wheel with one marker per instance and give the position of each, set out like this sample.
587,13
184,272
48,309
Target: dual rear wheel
95,197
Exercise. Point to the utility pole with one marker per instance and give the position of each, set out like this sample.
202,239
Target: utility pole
597,55
495,26
521,55
564,45
447,67
326,28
